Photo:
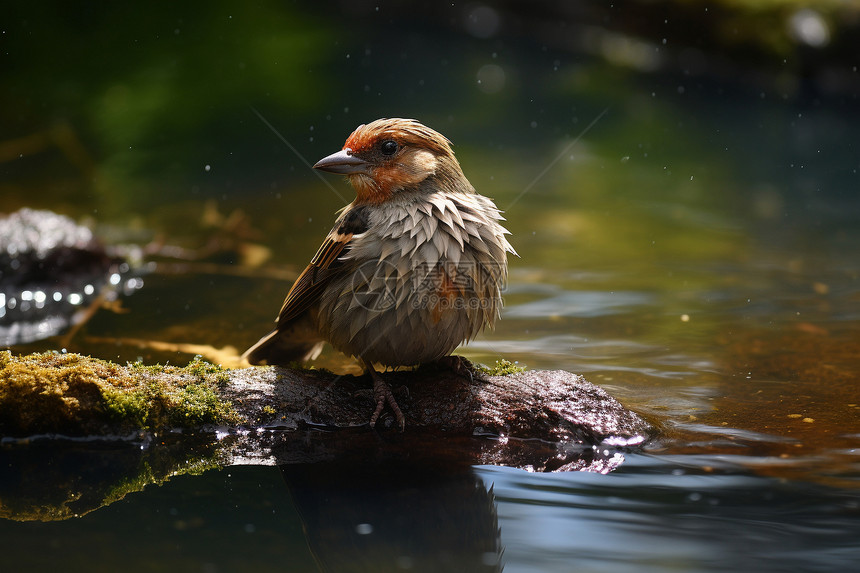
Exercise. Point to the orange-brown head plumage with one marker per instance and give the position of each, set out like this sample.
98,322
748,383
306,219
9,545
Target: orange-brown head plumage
405,130
391,156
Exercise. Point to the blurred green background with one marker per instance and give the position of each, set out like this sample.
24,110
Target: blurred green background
116,108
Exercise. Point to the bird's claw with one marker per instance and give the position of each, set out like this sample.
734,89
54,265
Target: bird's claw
459,366
383,395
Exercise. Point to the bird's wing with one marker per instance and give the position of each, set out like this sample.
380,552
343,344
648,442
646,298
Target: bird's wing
326,264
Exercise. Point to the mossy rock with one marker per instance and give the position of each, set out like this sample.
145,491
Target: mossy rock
79,395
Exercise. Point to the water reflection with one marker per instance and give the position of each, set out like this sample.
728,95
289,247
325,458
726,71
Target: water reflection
51,478
46,479
659,512
396,516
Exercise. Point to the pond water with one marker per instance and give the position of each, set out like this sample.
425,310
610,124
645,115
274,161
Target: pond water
687,242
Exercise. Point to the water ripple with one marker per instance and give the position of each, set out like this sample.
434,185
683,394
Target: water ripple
581,304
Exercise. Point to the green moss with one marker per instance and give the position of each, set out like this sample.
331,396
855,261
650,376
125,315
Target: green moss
70,393
201,368
148,368
131,407
502,368
197,404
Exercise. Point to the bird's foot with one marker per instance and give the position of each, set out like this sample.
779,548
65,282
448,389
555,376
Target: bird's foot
459,365
382,395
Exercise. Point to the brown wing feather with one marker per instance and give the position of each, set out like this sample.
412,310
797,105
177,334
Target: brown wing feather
310,284
327,263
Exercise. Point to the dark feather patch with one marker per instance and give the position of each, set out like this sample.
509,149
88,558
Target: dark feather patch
355,222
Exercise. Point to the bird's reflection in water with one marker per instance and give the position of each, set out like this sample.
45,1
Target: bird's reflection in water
396,516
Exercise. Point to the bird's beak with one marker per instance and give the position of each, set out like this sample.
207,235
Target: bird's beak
343,162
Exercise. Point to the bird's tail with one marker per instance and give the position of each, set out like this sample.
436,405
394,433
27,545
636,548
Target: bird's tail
278,347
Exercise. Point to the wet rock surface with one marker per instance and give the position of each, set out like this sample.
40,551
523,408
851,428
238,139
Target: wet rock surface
51,268
538,404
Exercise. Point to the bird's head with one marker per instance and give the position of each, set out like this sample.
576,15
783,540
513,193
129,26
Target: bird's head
395,156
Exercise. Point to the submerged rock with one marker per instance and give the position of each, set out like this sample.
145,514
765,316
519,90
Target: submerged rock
50,269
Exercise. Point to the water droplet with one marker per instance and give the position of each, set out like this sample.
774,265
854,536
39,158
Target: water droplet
364,529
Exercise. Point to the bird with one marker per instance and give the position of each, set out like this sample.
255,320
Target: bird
411,269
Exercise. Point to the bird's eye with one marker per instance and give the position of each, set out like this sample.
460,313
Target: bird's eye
388,147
